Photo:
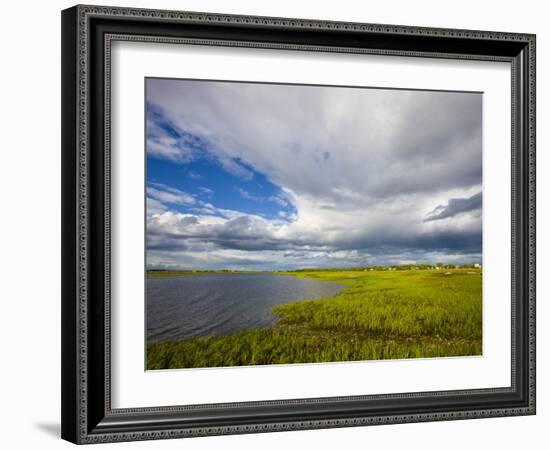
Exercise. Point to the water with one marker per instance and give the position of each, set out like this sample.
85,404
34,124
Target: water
217,304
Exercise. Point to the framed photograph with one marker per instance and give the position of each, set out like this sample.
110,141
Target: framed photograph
277,224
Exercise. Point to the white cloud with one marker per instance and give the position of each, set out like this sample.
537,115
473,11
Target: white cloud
248,196
155,207
162,145
169,195
206,191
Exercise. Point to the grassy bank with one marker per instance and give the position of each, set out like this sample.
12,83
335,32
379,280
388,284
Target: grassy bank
381,315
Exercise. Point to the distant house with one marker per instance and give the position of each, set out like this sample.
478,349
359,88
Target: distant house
477,266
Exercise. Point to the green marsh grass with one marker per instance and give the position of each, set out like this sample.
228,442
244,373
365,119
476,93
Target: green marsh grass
380,315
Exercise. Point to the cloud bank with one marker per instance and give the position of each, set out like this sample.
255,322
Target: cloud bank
456,206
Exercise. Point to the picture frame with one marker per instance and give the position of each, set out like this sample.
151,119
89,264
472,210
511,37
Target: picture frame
88,33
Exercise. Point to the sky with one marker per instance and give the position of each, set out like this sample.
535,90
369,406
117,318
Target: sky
254,176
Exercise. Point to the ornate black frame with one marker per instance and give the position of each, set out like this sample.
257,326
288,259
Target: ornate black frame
87,32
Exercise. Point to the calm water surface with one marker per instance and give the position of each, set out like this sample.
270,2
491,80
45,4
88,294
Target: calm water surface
217,304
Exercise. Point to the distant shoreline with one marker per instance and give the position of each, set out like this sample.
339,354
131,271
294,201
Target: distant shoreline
184,273
152,273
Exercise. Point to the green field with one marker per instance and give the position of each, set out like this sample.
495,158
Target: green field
381,315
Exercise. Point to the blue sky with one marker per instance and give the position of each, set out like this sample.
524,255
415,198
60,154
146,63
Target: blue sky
239,188
275,177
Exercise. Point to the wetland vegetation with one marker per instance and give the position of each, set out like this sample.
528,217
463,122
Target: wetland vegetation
383,313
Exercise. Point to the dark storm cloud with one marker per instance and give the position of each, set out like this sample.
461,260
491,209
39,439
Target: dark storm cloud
456,206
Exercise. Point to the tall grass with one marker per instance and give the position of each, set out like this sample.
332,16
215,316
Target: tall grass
381,315
425,303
